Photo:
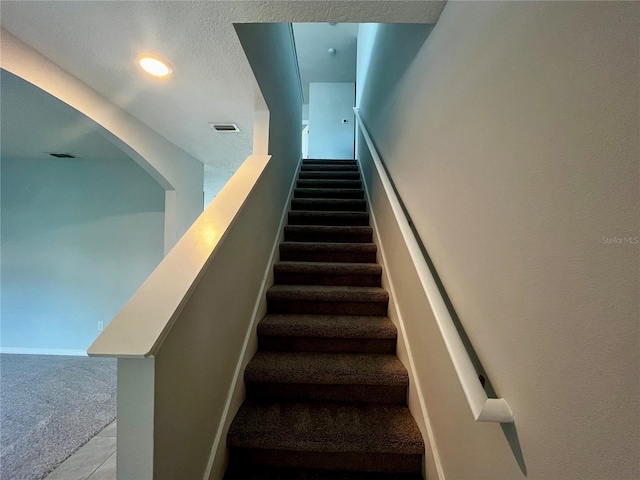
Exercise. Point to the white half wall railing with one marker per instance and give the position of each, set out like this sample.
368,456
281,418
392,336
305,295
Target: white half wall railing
139,329
483,408
183,339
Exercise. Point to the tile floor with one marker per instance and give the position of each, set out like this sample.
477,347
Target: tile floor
96,460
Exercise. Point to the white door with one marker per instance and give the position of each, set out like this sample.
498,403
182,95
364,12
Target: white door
305,142
331,120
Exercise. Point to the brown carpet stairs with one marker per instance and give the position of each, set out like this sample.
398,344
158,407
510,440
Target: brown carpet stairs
326,394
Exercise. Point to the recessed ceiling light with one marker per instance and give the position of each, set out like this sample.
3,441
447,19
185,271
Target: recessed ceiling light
154,65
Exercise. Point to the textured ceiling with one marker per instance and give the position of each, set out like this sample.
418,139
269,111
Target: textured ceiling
313,41
212,81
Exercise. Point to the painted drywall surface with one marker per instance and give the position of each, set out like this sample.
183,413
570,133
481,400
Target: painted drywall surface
192,390
366,37
214,180
134,453
173,168
330,104
313,41
432,378
78,238
269,49
512,139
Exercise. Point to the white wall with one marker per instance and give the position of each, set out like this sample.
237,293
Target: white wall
329,105
511,134
179,173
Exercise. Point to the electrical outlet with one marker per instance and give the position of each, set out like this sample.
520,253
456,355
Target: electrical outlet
100,326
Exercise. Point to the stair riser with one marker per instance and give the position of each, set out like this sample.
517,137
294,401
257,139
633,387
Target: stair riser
297,236
327,308
328,193
325,345
315,161
348,461
269,392
342,257
339,184
289,278
328,168
273,473
322,205
329,220
329,176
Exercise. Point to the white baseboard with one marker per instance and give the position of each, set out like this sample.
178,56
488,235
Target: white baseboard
43,351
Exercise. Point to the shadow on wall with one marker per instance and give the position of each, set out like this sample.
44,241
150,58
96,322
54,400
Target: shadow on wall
385,37
79,235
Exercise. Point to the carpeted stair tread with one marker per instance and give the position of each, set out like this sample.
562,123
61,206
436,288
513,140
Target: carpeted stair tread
327,326
327,183
315,167
326,427
328,252
322,293
326,233
266,473
329,175
326,368
328,247
328,273
332,268
329,204
327,333
305,217
326,394
328,161
328,193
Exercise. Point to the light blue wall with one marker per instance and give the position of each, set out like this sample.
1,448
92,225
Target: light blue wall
366,38
329,104
78,236
385,52
77,240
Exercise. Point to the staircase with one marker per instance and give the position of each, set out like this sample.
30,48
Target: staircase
326,394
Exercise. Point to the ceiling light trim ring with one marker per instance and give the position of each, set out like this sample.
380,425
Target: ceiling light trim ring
154,65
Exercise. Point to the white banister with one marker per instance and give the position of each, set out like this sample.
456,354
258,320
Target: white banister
483,408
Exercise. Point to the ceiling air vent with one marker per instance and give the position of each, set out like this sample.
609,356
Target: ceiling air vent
62,155
224,127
